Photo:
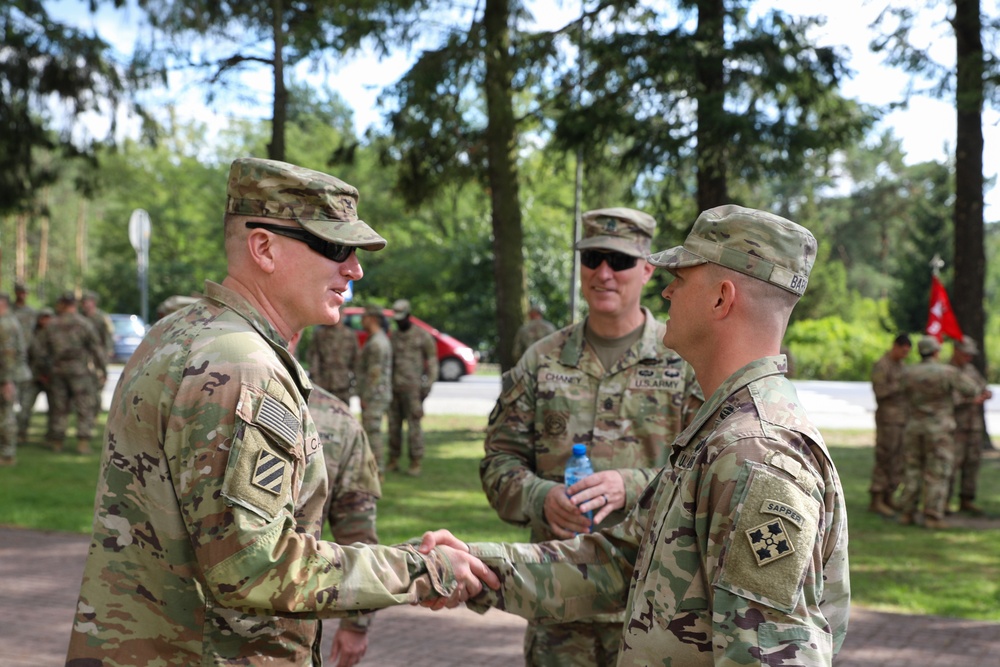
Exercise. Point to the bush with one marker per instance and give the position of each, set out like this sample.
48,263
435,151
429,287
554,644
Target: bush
832,349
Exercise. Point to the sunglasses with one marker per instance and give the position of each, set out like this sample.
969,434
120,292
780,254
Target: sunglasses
617,261
336,252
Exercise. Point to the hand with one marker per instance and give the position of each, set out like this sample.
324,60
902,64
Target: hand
563,517
602,493
424,392
348,647
470,572
8,392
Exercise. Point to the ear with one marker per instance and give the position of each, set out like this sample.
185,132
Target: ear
261,249
724,297
647,271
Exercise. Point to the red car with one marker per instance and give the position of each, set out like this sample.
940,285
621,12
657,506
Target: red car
455,357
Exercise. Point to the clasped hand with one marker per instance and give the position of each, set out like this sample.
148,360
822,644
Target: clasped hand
470,572
600,493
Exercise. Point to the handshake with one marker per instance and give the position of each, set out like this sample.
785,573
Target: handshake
470,572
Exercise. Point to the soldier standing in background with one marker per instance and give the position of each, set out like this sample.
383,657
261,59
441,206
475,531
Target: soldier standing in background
930,388
890,420
13,365
39,380
969,428
25,314
102,323
205,550
535,329
414,371
333,353
374,378
72,354
27,318
607,382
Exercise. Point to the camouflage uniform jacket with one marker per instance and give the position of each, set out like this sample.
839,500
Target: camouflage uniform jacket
27,317
71,346
891,404
105,331
205,547
529,333
414,359
353,478
11,350
736,554
559,394
374,371
968,413
332,356
930,389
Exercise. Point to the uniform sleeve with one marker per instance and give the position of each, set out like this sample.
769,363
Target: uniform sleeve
430,359
507,470
883,385
235,445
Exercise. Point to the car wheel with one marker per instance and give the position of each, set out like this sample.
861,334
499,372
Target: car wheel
451,369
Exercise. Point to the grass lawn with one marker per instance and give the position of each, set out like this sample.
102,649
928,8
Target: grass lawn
894,568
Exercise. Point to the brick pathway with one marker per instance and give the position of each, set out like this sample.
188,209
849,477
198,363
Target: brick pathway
40,576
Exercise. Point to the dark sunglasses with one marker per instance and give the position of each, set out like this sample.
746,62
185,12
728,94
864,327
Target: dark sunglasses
332,251
617,261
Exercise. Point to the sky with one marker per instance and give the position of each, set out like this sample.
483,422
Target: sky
926,126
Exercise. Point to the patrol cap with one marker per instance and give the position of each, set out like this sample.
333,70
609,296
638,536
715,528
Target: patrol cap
322,204
928,345
67,297
757,243
373,309
91,295
45,312
967,346
400,309
623,230
19,287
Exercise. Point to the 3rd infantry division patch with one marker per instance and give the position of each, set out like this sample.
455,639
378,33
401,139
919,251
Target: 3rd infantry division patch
769,542
269,472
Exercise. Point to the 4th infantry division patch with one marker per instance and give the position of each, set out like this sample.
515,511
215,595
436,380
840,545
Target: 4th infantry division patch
268,472
769,542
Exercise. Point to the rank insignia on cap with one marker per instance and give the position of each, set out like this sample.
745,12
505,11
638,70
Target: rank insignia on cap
769,542
610,225
269,472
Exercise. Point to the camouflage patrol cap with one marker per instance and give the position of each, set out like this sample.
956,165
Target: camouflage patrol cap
322,204
373,309
67,297
45,312
967,346
928,345
757,243
624,230
400,309
90,295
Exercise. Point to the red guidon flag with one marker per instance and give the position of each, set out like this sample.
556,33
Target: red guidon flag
941,320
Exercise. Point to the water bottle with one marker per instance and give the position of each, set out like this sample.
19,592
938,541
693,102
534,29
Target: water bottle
577,468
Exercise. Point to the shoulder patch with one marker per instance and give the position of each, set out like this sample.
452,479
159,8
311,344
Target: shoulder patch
278,420
769,542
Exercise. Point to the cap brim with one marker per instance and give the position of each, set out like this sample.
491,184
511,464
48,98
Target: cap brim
676,258
399,316
623,246
356,233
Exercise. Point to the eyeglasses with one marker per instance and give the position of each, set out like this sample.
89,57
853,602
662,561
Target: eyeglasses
336,252
617,261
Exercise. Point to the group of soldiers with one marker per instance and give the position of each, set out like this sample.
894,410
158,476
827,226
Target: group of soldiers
390,375
929,431
62,352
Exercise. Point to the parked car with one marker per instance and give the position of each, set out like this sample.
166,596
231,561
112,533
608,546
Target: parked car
128,333
454,357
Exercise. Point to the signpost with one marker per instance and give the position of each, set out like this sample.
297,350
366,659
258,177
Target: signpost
138,235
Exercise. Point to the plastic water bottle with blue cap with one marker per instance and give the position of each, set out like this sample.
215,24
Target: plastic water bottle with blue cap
577,468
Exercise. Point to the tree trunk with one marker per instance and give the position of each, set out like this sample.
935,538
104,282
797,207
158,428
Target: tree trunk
276,149
711,95
501,143
970,258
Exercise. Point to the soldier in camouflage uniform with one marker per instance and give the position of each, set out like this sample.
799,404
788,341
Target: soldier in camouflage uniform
13,365
102,323
333,354
27,318
414,371
535,329
37,364
736,554
930,389
890,419
607,382
209,503
374,378
970,426
72,352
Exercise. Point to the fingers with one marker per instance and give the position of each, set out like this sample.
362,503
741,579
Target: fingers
440,537
600,493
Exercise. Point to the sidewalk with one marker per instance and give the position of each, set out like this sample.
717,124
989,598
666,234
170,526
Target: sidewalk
40,576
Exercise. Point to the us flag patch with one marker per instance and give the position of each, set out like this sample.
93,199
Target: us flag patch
269,472
769,542
278,419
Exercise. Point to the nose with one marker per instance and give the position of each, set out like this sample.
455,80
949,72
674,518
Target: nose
667,291
603,271
351,267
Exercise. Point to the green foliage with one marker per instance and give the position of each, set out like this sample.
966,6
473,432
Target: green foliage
830,348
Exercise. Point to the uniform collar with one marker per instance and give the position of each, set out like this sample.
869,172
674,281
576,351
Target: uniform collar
648,347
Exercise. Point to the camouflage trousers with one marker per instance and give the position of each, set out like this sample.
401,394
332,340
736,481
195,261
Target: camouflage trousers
371,421
968,456
8,430
930,457
72,393
408,406
572,644
889,457
27,394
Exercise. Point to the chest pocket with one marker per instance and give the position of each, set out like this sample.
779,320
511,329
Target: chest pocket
266,463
